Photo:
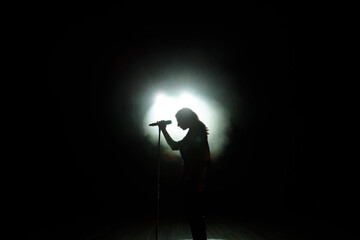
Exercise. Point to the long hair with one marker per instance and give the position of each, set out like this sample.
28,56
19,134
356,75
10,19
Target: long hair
192,117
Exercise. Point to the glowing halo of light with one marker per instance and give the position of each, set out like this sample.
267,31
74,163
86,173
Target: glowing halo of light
210,112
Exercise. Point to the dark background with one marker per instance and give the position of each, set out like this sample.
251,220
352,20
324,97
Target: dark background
73,164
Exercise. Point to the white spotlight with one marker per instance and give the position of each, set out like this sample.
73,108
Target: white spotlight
211,113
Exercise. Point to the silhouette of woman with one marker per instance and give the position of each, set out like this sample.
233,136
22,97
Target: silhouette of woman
194,149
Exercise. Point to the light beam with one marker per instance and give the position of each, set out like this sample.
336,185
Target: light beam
211,113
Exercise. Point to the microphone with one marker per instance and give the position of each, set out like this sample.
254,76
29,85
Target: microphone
157,123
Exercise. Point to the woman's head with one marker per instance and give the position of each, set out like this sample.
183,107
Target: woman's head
186,118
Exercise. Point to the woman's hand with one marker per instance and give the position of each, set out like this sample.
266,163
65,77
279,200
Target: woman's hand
162,125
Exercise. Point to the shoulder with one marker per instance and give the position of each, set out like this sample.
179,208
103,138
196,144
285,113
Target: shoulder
197,132
200,129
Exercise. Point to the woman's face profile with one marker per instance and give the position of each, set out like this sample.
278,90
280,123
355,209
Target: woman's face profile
182,123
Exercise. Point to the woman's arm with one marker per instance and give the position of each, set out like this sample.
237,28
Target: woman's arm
173,145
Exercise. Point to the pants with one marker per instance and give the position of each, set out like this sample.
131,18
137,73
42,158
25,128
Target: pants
195,210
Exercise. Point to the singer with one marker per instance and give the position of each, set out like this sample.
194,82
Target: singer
194,149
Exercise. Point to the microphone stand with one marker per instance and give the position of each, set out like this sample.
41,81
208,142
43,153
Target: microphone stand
158,179
158,189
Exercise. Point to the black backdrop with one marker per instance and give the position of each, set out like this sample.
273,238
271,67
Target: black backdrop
73,162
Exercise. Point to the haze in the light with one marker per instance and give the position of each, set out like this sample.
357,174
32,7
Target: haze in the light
164,82
215,117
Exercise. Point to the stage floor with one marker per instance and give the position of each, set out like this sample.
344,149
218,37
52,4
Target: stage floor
177,229
218,228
